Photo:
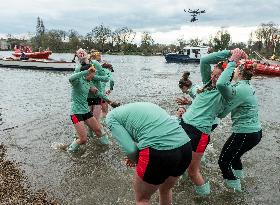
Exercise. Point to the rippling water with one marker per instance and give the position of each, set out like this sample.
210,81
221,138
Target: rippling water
34,113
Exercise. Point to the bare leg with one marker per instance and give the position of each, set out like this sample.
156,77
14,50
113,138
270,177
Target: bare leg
143,190
165,190
194,169
82,133
96,110
94,125
104,108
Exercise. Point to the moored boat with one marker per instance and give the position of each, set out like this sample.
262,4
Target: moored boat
36,55
187,55
37,64
265,69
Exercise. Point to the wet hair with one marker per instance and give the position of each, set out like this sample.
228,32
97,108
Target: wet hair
85,67
108,66
182,108
247,70
185,81
208,86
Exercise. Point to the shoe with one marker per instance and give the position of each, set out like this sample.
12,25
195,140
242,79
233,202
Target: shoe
184,176
203,190
104,139
73,147
233,184
239,174
203,159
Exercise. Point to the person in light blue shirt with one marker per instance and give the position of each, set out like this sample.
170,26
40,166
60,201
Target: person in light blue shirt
156,143
200,116
243,105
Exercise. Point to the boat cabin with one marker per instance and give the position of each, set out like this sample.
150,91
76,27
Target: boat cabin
194,52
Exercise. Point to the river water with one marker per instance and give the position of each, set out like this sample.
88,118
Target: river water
34,113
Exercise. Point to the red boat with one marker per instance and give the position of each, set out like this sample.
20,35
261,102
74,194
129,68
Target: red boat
38,55
264,69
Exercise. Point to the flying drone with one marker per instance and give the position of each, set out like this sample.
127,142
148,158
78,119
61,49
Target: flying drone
194,14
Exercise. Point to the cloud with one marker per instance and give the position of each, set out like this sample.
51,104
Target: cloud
157,16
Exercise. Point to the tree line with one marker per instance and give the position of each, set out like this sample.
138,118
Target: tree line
265,39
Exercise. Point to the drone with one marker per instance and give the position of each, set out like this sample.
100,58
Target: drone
194,14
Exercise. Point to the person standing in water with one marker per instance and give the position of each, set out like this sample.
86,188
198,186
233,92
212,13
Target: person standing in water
247,132
80,113
156,143
187,87
199,117
104,104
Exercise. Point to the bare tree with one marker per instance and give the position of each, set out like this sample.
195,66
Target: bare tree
102,35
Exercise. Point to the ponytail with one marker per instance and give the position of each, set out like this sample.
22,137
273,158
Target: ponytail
185,81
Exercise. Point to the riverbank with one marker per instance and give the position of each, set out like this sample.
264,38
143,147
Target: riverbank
14,188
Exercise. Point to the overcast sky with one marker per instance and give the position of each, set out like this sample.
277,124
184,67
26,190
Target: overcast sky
164,19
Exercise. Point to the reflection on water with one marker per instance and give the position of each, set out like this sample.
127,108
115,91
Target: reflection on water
34,113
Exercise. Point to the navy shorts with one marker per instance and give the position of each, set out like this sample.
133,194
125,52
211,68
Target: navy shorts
80,117
199,139
155,166
94,101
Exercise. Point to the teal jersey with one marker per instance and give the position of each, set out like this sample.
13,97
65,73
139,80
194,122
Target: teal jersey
111,80
98,81
241,102
80,90
207,105
142,124
193,90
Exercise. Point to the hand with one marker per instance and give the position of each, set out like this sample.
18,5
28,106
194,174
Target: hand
108,92
114,104
93,90
237,54
183,101
92,69
128,162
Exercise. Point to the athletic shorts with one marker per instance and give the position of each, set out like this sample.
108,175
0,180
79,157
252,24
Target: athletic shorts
214,127
199,139
155,166
80,117
94,101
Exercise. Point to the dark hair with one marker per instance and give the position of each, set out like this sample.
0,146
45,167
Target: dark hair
108,66
85,67
247,71
182,108
185,81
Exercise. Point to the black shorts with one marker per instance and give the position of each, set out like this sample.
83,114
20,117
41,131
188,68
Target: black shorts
94,101
80,117
214,127
155,166
199,139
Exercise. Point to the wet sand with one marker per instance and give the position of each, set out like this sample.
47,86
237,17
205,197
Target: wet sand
14,188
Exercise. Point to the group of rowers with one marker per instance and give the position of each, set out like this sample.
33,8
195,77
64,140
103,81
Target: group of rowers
160,147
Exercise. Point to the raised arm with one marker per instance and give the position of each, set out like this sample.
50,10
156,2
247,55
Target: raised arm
73,79
206,61
103,78
224,85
